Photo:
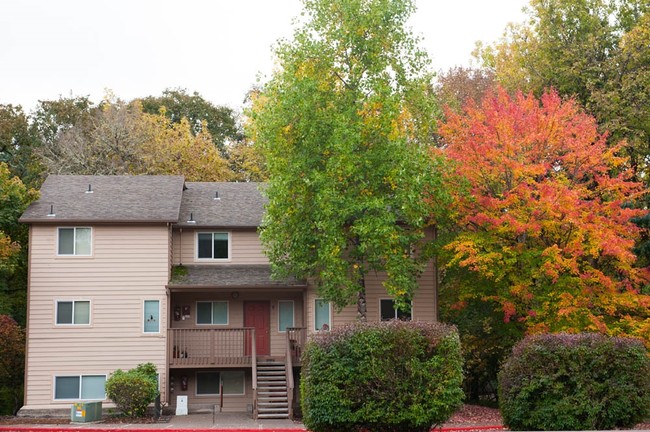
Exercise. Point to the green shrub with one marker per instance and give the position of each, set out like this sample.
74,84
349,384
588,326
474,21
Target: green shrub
575,382
132,391
390,376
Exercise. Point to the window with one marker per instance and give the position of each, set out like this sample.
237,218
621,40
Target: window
85,387
152,316
322,315
285,315
75,241
76,312
213,246
215,313
208,383
388,311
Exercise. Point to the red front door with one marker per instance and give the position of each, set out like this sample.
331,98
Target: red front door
258,315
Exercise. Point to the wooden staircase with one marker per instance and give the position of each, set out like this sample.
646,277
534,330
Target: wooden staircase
272,393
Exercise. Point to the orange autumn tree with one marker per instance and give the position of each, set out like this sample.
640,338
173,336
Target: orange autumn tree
543,228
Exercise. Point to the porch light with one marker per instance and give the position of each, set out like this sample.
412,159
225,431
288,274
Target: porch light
90,189
192,221
216,196
51,213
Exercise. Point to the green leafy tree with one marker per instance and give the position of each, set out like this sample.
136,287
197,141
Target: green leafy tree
14,199
12,365
53,117
17,142
344,126
220,121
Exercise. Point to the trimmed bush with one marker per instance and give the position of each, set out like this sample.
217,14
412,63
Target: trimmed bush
575,382
390,376
132,391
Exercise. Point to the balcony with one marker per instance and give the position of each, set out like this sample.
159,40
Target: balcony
211,347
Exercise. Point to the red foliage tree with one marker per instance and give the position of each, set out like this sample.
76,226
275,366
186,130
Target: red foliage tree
543,226
12,361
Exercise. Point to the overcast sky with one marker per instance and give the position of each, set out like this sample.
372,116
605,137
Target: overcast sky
218,48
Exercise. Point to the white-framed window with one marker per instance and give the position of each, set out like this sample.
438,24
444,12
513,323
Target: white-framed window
213,246
322,315
208,383
212,312
151,316
80,387
285,315
72,312
387,311
74,241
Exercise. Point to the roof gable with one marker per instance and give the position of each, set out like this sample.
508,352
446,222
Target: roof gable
123,199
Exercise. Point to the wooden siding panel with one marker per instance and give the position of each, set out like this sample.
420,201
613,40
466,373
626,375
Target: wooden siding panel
128,265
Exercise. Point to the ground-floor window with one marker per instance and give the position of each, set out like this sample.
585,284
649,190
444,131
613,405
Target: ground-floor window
389,312
208,383
84,387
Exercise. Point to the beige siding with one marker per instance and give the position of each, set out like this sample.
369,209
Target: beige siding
245,247
128,265
236,311
424,301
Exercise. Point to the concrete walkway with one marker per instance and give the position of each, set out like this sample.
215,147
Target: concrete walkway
230,422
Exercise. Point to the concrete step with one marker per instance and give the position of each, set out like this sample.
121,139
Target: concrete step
272,416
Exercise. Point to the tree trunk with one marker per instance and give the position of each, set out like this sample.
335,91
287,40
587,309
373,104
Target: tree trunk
361,301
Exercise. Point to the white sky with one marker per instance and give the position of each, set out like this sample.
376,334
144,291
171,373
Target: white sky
218,48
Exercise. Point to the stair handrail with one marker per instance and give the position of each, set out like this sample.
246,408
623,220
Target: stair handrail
254,371
289,374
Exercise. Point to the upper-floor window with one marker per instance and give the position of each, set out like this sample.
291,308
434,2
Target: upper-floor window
76,312
213,245
322,315
151,322
285,315
389,312
75,241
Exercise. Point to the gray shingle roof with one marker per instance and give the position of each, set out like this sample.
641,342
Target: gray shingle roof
231,276
239,205
113,199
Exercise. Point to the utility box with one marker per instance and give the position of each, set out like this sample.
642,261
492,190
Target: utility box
181,405
84,412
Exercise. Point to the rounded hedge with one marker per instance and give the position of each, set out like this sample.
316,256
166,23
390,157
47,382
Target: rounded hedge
575,382
132,391
389,376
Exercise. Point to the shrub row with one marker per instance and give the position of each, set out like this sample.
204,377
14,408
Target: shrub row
390,376
575,382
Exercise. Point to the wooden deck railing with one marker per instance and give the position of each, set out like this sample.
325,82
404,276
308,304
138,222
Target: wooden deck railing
207,347
296,338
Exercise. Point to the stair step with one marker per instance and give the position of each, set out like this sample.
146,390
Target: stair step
273,416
